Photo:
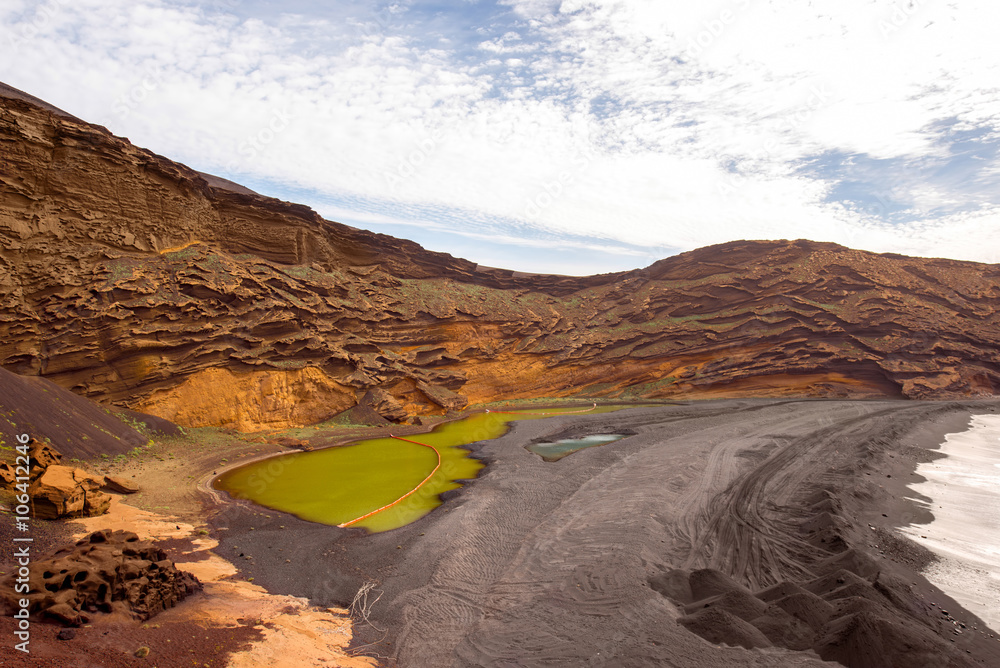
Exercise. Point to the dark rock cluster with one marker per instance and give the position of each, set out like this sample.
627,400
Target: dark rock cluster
104,572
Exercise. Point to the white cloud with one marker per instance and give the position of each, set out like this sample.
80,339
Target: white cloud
659,123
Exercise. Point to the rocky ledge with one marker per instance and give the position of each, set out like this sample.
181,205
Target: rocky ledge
132,279
105,572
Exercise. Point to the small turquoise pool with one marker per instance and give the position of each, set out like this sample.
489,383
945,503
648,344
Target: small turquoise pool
556,450
380,483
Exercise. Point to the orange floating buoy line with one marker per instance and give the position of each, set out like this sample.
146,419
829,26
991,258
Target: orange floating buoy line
431,474
586,410
422,482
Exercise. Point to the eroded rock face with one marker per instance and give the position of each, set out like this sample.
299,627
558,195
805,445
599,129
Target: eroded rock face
119,485
384,404
155,289
64,491
108,570
42,456
58,491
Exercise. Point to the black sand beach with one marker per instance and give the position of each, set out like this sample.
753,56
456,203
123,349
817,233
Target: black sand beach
764,526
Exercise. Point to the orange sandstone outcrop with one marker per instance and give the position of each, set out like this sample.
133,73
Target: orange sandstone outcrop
250,400
132,279
65,491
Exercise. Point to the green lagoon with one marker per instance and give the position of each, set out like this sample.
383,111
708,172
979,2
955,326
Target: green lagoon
337,485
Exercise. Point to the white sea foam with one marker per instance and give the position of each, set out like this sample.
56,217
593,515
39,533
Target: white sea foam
964,489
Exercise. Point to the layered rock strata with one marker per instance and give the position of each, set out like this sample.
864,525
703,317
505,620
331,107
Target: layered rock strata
135,280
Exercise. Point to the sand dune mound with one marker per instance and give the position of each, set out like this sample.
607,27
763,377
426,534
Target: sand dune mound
808,608
780,590
720,627
825,584
824,530
857,590
674,585
784,630
743,604
852,560
869,640
819,522
708,582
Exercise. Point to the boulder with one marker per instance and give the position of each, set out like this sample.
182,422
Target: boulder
443,397
64,491
97,503
104,571
384,404
289,442
42,456
7,476
119,485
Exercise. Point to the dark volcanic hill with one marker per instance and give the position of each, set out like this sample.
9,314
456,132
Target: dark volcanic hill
79,428
132,279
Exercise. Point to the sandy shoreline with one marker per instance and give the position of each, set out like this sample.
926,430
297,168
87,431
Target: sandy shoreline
549,563
960,491
232,623
537,563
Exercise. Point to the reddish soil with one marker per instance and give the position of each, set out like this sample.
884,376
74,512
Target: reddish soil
111,642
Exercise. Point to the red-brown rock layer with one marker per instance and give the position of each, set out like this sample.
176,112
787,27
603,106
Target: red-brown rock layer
132,279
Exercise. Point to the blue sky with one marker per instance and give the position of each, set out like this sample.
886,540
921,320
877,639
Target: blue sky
568,137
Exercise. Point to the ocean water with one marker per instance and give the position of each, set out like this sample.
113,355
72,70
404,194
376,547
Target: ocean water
964,489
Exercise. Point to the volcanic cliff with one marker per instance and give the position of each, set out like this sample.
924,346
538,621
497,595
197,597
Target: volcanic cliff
134,280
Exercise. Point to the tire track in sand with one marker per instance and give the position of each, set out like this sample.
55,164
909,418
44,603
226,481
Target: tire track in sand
746,530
